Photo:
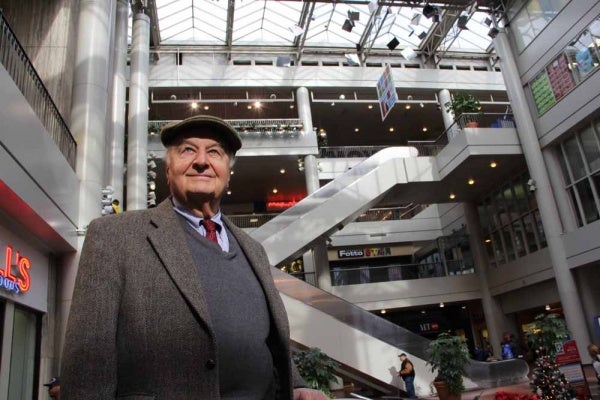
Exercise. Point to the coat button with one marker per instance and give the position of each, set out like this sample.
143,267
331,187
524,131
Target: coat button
211,364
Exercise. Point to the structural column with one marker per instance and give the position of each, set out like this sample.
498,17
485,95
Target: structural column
491,309
119,86
137,139
565,282
444,97
311,175
88,125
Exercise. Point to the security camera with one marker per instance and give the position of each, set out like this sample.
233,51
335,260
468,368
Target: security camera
531,185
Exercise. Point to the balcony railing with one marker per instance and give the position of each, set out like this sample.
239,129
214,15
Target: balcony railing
474,120
19,67
362,275
252,128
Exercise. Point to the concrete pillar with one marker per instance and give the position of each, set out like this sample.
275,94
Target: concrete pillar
565,282
444,97
491,307
311,175
88,126
137,139
119,87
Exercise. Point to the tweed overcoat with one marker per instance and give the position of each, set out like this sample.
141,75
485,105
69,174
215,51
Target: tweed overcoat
139,326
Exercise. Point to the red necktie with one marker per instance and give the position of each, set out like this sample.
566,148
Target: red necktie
211,229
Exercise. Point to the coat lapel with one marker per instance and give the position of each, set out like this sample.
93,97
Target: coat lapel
170,244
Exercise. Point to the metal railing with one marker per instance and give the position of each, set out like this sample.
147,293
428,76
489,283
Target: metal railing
362,275
469,120
251,128
251,220
349,151
20,68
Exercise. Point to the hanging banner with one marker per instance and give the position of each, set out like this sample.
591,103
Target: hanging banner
386,92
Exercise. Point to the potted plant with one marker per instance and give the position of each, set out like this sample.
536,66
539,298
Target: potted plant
464,103
449,356
316,368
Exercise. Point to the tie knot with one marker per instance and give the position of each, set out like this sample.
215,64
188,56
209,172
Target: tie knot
211,229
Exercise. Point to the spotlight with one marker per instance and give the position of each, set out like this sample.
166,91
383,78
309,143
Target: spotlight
422,35
429,11
353,15
348,25
487,21
393,44
152,185
151,164
493,32
462,22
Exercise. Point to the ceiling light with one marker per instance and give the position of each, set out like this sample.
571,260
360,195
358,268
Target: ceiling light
422,105
291,106
493,164
423,312
342,96
348,25
206,107
393,44
488,240
249,107
471,181
452,196
229,192
391,129
407,106
332,103
152,185
383,311
356,129
275,190
462,22
231,173
253,220
547,307
442,305
194,105
370,106
257,104
464,307
282,171
424,129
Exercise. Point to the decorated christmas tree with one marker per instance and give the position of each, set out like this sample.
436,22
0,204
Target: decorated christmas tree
547,382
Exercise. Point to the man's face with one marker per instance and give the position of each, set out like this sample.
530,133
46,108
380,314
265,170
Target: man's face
54,391
402,358
198,170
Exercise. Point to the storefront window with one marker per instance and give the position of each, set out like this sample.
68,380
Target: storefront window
530,233
589,144
583,55
590,211
574,158
23,358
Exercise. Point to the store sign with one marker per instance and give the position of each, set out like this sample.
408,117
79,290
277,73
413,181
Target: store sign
429,327
15,277
367,252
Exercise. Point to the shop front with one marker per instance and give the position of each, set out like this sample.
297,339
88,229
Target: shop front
24,271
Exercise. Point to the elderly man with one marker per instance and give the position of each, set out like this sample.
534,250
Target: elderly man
176,302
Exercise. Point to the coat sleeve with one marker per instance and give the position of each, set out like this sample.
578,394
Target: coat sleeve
89,360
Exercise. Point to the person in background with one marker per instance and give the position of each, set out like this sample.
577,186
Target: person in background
175,302
53,386
407,372
594,352
115,207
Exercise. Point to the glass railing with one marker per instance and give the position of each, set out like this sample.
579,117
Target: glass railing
356,276
19,67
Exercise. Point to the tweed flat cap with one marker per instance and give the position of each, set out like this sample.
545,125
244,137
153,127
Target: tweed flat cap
171,132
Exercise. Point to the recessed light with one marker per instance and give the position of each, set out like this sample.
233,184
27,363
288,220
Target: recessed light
194,105
464,307
383,311
424,129
423,312
493,164
452,196
206,107
291,106
342,96
275,190
356,129
257,104
547,307
229,192
391,129
471,181
442,305
282,171
407,106
332,103
370,106
488,240
422,105
249,107
232,172
253,220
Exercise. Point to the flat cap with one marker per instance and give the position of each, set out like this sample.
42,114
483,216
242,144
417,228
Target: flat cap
189,126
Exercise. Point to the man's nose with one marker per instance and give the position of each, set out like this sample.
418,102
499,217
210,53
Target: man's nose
201,159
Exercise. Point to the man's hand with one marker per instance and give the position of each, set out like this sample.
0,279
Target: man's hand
309,394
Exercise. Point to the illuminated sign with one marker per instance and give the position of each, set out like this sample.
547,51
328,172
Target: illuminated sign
280,205
366,252
15,277
351,253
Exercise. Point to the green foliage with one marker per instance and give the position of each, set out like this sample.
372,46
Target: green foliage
462,103
550,330
449,356
316,368
547,382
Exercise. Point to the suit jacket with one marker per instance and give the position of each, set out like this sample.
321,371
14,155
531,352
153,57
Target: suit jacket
139,326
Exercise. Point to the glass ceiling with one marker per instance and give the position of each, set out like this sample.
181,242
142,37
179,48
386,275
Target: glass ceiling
314,24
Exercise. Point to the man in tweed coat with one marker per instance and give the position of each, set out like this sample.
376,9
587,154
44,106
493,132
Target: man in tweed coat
175,302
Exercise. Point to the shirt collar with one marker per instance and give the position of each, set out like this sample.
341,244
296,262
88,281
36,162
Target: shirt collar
193,218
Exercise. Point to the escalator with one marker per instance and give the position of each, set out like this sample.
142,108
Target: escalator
345,332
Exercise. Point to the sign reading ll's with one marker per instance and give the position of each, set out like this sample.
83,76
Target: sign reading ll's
20,281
